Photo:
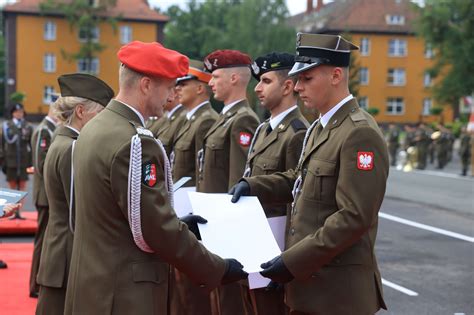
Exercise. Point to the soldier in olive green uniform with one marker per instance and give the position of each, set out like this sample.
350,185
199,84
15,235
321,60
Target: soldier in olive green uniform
275,147
40,142
465,150
392,136
194,94
422,140
166,128
337,189
126,231
82,97
221,161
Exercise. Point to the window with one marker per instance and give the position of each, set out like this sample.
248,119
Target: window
48,92
396,76
89,32
395,106
397,47
49,62
49,31
427,79
395,19
364,76
364,46
364,102
429,53
88,65
427,104
125,34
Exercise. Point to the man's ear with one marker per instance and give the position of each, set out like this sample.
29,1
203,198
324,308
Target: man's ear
288,87
145,85
337,75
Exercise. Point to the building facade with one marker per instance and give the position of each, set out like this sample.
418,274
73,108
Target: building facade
392,60
35,45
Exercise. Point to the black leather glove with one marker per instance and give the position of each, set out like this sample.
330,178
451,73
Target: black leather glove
233,271
274,286
242,188
4,169
191,221
276,270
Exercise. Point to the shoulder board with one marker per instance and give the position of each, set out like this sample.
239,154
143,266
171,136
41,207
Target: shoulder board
142,131
358,116
297,124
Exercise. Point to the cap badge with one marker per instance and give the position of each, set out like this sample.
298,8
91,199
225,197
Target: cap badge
255,68
215,62
365,161
208,64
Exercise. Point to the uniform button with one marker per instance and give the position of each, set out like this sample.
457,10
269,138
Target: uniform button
264,165
305,170
213,145
317,170
292,231
202,285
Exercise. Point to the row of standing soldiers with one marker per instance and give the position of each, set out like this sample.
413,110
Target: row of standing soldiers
422,145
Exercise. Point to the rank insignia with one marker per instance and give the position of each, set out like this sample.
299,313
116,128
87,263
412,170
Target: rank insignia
244,138
149,174
365,161
43,143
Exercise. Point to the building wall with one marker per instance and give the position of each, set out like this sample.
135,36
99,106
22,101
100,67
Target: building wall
413,92
31,47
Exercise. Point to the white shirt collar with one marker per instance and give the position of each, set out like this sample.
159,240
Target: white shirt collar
170,113
136,112
227,107
274,121
326,117
195,109
73,129
51,120
16,121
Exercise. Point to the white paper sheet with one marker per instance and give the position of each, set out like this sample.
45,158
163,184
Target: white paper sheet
278,225
236,230
182,205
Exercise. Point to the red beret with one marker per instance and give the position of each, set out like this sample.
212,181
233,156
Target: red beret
153,59
226,59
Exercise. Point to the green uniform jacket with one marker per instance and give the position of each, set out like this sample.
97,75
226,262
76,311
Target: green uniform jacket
189,140
166,129
278,151
225,147
330,242
109,274
15,148
40,142
57,245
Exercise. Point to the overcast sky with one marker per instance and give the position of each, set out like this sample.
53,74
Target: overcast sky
295,6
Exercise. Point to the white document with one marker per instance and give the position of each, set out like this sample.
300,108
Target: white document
278,225
236,230
182,205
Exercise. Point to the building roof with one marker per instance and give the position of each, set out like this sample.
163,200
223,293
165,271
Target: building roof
125,9
359,16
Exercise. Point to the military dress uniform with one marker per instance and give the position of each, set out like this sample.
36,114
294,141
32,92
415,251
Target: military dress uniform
337,190
465,151
127,232
40,142
167,127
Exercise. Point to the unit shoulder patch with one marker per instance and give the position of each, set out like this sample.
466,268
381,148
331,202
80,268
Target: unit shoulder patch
245,138
149,174
365,160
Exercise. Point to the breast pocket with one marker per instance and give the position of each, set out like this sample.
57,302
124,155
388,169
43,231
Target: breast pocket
320,181
216,152
185,150
265,166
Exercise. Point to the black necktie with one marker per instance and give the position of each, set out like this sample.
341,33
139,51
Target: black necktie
268,130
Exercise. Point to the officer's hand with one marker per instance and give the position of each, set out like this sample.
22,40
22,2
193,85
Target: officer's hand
242,188
233,272
276,270
191,221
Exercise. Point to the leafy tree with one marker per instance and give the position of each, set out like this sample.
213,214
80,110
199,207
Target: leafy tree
85,17
17,97
448,25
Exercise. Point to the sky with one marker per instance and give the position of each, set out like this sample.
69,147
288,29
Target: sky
294,6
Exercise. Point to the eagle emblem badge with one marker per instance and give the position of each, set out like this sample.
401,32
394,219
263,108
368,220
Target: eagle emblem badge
365,161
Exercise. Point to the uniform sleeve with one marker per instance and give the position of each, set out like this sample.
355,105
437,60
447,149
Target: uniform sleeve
275,188
293,151
40,142
359,195
242,132
162,230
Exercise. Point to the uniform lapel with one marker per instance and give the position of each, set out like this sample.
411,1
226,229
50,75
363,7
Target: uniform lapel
223,118
67,132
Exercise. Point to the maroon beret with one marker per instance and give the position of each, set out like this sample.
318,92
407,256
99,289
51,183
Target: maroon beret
153,59
226,59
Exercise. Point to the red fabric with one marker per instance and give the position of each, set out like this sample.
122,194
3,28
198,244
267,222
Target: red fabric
14,281
28,226
153,59
226,59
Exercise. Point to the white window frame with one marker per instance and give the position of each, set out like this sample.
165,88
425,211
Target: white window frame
48,90
395,19
95,63
397,47
125,34
427,80
427,105
49,62
362,71
393,104
365,46
396,77
49,31
95,32
364,102
429,52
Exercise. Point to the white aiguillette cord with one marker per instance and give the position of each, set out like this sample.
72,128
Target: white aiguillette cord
71,189
134,187
248,170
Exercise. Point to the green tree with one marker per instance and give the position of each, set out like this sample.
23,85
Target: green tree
448,26
85,18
